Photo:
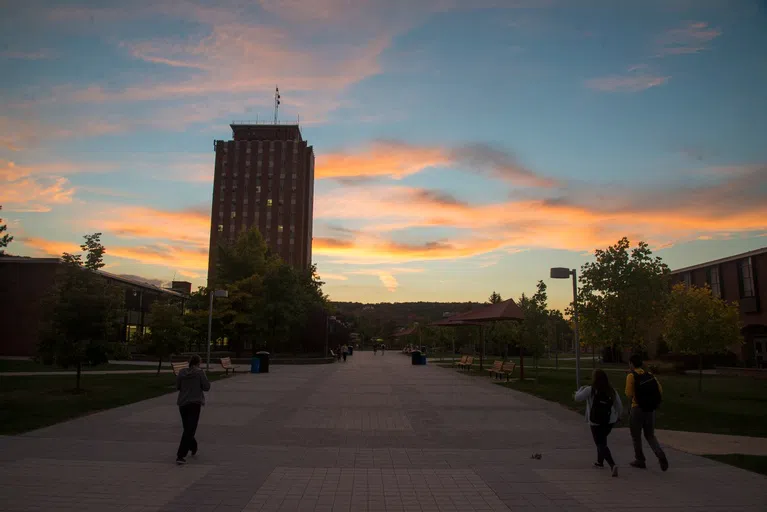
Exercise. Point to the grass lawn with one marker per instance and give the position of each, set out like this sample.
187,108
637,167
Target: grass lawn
28,403
727,405
755,463
32,366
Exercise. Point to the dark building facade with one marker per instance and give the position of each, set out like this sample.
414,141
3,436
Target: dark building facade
264,177
737,279
28,281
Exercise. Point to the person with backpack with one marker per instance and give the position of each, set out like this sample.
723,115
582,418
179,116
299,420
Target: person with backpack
645,393
603,410
192,383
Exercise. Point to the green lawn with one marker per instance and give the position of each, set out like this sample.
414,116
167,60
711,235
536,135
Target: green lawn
755,463
727,405
32,366
28,403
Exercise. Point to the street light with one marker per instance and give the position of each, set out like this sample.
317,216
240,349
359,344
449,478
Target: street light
327,331
217,293
564,273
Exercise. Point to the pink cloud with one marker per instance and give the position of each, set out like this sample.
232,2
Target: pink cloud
626,83
688,39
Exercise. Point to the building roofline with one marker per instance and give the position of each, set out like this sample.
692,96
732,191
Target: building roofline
735,257
108,275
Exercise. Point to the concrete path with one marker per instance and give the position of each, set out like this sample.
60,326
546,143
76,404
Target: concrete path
373,434
240,368
713,444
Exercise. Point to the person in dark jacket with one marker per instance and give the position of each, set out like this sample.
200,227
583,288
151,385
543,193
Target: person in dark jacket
191,384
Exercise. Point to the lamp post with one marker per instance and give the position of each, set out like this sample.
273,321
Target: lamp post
328,318
565,273
216,293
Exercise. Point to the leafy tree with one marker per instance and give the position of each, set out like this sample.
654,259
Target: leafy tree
167,333
621,295
558,330
494,298
533,329
85,312
697,322
5,239
268,299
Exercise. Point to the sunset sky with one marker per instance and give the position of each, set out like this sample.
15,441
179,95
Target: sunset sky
463,146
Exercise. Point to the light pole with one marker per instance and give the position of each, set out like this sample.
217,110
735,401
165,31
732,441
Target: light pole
216,293
564,273
328,318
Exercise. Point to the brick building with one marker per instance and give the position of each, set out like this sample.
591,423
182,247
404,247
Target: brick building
264,177
737,279
28,281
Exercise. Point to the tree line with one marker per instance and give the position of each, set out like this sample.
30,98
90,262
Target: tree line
268,304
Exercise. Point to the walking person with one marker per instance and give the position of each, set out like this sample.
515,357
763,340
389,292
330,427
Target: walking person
345,351
375,349
603,410
191,384
645,393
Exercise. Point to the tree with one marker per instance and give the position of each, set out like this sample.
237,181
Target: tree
268,299
622,295
5,239
697,322
167,332
533,329
85,312
494,298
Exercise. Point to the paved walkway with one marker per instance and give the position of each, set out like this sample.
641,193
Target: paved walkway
374,433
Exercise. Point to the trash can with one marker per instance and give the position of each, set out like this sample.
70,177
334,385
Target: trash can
415,357
423,358
263,358
255,364
351,350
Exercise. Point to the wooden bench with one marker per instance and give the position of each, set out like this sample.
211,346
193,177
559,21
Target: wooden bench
226,364
468,363
508,369
496,369
461,362
177,367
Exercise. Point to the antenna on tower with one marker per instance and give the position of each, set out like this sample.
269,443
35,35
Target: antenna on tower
276,102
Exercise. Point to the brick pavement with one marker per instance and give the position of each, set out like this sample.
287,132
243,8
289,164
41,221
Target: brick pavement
372,434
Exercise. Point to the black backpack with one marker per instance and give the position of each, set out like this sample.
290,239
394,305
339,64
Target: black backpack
646,391
601,407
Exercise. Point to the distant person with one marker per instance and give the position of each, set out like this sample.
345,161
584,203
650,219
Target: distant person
375,349
603,410
645,393
338,352
345,351
191,384
383,348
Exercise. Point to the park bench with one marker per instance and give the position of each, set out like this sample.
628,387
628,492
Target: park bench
177,367
461,362
468,363
496,368
226,364
508,369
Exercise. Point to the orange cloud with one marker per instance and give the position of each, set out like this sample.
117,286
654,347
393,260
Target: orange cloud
44,247
28,189
333,277
161,254
383,158
386,276
580,221
166,255
397,159
189,226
